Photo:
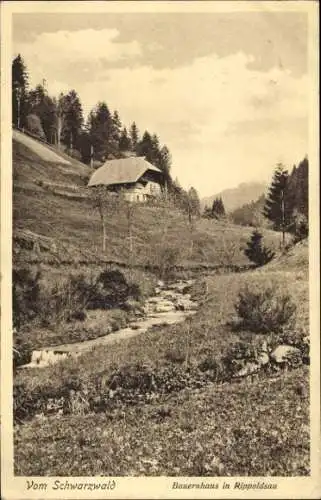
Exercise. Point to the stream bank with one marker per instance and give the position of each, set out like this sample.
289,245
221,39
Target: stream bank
172,303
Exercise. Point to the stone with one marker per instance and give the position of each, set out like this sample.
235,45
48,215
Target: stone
247,369
164,307
263,358
185,305
285,354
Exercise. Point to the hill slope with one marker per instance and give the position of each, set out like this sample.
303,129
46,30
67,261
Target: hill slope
54,208
236,197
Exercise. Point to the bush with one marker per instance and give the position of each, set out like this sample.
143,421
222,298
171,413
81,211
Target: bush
22,351
166,258
112,289
299,227
264,311
33,125
67,300
25,296
175,355
256,252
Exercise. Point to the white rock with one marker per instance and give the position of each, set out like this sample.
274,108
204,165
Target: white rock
283,353
263,358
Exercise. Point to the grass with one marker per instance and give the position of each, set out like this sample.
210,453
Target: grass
217,431
246,427
75,229
207,331
194,422
48,328
97,324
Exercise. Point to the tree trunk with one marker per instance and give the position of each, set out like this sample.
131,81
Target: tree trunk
18,120
104,236
283,218
59,129
92,156
102,218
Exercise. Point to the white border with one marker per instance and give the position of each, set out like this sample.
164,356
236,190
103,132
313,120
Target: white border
158,487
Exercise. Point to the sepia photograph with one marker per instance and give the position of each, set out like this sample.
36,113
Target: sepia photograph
160,230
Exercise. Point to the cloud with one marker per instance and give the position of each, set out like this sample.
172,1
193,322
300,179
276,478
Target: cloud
223,120
64,52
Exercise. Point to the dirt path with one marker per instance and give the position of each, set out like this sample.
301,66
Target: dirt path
41,150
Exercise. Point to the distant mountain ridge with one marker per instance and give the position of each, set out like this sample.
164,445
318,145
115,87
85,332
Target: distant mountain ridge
233,198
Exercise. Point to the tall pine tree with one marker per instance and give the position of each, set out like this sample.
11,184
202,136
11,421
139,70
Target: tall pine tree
73,120
114,138
125,143
277,208
100,126
134,136
42,105
218,209
19,92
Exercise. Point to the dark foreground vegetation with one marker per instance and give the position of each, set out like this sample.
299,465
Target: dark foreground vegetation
181,385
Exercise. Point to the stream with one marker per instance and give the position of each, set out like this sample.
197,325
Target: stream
171,304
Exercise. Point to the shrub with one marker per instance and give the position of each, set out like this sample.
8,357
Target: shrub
25,296
166,258
256,252
67,300
22,352
33,125
175,355
299,227
112,289
263,311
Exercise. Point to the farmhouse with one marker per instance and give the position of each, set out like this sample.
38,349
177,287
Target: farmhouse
135,177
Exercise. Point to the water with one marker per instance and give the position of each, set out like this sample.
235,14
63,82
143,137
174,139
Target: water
170,305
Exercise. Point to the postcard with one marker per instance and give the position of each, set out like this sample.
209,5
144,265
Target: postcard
160,250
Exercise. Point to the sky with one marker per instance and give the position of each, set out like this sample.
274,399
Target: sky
228,93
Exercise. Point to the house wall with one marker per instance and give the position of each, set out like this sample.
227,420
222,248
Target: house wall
141,193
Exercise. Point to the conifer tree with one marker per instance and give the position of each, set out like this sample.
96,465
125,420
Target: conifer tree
276,207
20,106
134,136
255,250
125,143
218,209
42,105
115,132
73,121
100,129
145,147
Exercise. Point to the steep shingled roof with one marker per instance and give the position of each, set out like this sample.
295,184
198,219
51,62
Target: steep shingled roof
123,171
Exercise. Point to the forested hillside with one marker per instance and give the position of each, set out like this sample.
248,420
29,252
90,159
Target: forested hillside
286,206
60,121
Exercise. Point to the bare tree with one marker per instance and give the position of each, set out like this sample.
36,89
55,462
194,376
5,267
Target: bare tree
105,203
